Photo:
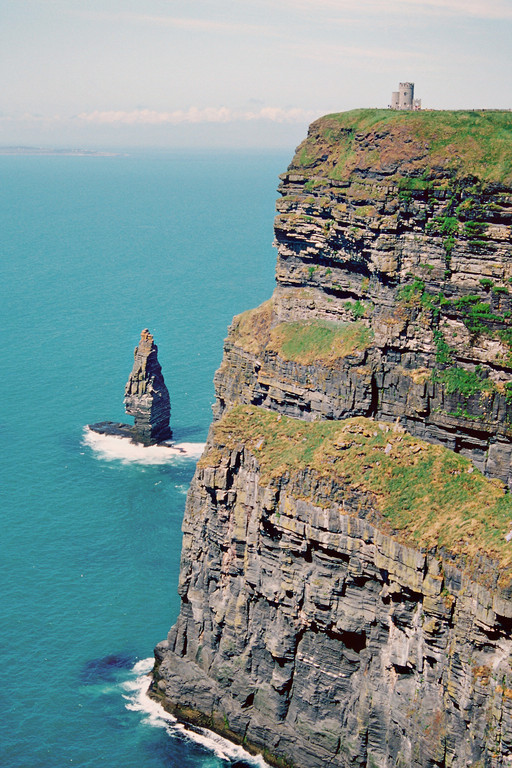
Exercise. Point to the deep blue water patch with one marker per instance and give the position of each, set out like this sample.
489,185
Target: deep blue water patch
106,667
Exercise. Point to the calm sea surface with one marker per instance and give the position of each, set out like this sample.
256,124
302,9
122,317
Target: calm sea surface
93,249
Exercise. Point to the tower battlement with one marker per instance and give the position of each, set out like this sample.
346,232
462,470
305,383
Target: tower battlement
404,97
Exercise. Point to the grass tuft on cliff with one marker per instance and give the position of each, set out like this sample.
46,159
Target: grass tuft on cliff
429,496
399,144
302,341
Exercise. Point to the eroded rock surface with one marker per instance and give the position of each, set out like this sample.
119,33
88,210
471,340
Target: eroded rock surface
315,637
146,396
309,629
376,227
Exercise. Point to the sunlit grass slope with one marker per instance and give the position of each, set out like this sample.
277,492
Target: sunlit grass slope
428,495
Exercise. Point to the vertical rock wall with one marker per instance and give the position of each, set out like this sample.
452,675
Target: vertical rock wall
308,630
311,636
146,395
381,226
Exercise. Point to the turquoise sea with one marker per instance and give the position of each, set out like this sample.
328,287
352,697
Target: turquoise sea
93,250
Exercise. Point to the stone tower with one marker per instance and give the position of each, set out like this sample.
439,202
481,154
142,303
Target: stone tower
404,97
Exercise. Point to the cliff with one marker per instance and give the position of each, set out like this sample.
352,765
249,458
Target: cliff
345,577
393,274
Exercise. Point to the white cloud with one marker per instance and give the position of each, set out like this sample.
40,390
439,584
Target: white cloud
486,9
329,53
196,115
177,22
278,115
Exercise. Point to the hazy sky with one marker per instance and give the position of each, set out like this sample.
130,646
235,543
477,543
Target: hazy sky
236,72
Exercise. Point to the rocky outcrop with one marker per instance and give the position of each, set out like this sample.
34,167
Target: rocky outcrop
380,224
146,397
311,633
471,415
345,587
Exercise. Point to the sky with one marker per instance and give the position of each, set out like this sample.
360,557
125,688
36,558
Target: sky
236,73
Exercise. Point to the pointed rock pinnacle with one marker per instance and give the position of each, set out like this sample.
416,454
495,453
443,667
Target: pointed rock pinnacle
146,397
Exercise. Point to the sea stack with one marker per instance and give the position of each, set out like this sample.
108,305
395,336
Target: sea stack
146,397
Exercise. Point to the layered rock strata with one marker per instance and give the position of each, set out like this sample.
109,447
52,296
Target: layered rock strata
146,397
380,223
311,631
348,606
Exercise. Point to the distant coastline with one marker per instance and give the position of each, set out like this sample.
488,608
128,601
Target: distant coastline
51,152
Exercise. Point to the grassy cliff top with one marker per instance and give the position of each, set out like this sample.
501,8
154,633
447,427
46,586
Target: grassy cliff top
425,144
428,495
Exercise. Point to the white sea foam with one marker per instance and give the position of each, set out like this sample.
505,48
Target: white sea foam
112,448
144,666
156,716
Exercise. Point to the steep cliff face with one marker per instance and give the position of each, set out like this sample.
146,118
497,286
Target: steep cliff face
313,627
393,232
345,585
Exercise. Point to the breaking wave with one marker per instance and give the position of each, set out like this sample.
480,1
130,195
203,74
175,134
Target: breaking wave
112,448
156,716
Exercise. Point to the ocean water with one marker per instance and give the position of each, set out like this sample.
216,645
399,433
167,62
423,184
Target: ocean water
93,249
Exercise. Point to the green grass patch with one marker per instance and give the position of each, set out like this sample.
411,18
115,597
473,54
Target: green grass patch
411,294
463,382
475,229
465,143
358,308
427,495
444,354
318,341
442,225
411,184
476,314
301,341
